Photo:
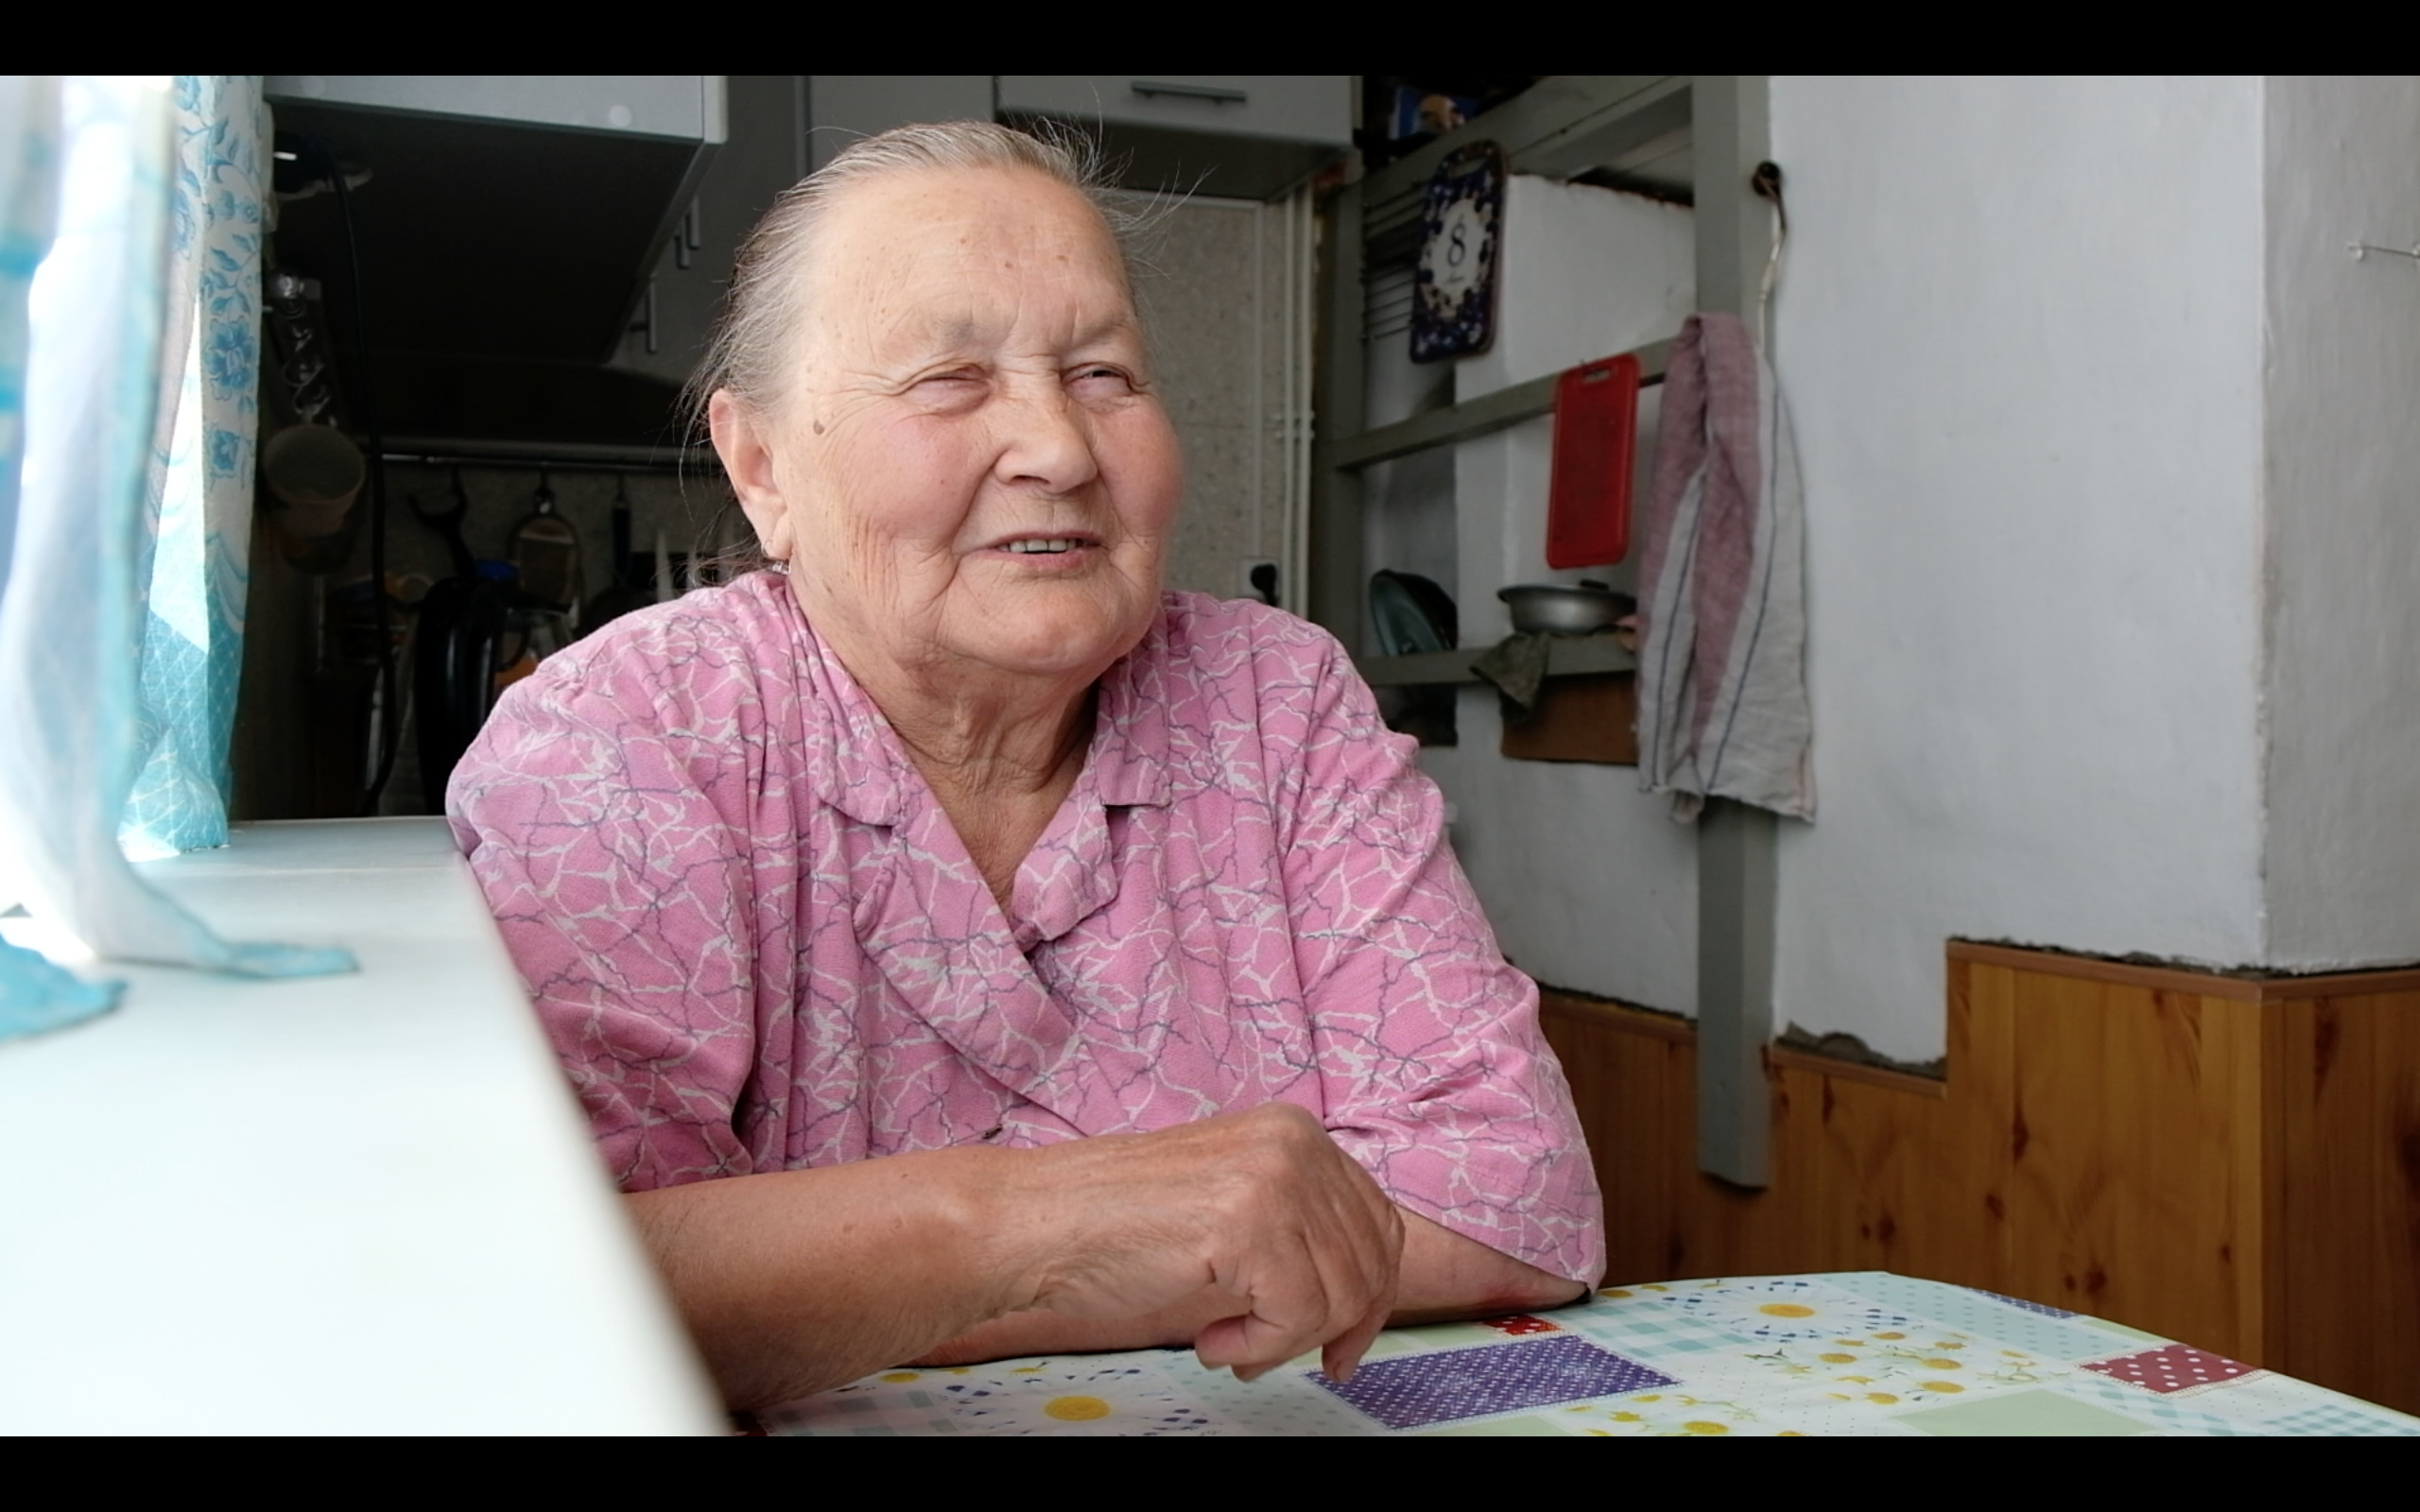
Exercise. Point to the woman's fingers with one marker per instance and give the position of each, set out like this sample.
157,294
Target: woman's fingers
1340,1286
1342,1356
1262,1205
1309,1304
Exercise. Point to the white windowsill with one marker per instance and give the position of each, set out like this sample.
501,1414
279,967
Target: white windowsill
356,1203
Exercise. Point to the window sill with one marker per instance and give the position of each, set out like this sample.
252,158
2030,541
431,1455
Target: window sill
354,1204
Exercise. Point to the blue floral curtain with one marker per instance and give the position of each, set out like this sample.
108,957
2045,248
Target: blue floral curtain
199,497
129,354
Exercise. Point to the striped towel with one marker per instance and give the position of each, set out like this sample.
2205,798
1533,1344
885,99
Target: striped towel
1721,658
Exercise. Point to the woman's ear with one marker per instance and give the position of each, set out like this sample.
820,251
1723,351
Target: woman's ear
738,432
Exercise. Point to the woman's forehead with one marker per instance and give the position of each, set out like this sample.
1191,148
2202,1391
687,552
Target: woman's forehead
945,259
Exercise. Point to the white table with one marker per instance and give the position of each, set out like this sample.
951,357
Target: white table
353,1204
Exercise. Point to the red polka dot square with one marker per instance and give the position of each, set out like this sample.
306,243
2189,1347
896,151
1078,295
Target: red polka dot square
2170,1368
1521,1324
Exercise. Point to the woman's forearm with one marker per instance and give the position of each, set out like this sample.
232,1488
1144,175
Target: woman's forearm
796,1281
1445,1275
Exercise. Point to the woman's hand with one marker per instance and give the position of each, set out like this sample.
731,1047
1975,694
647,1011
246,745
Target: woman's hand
1259,1206
796,1281
1445,1275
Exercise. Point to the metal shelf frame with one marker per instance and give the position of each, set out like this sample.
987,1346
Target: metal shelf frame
1474,418
1562,127
1566,656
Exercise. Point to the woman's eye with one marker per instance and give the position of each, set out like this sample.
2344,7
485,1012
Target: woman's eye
1102,379
952,391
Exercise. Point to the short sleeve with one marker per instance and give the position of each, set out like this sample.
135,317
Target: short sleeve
605,821
1435,1074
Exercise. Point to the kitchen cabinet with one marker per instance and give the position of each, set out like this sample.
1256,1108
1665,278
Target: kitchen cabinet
764,153
1243,136
501,229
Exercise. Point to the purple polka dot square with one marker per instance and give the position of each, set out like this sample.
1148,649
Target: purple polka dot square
1415,1390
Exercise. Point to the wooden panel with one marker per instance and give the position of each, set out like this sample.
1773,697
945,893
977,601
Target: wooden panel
2349,1096
1848,1158
1590,718
1790,1057
2127,1149
2237,1168
2246,986
2093,968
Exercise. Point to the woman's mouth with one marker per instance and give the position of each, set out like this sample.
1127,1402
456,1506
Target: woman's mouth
1051,546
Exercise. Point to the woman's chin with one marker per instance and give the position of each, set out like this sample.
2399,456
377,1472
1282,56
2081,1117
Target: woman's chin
1077,645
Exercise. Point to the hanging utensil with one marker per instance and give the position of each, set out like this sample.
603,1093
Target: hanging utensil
447,524
1595,437
546,548
623,595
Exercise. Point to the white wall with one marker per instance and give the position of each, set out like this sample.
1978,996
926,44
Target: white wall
2021,328
1589,883
2343,484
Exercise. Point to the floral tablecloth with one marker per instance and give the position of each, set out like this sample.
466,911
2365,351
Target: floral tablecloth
1865,1352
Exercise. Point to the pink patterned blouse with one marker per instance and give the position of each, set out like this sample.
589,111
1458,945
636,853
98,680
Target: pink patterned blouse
758,944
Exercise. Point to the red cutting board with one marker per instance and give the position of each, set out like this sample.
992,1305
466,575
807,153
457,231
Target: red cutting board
1595,436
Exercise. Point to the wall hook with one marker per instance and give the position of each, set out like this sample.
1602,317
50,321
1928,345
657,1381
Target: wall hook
2362,250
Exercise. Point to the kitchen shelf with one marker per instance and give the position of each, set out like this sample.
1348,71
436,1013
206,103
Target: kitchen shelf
1704,133
1569,657
1474,418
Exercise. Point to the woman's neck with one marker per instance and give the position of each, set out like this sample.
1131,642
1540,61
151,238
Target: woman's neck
999,780
990,754
1000,751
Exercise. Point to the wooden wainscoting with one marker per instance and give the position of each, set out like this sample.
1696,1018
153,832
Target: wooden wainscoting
2230,1161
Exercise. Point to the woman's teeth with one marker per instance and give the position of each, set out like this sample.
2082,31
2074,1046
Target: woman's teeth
1031,547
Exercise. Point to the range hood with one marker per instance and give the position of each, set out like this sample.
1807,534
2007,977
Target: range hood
506,227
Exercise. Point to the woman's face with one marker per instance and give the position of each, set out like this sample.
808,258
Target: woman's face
970,468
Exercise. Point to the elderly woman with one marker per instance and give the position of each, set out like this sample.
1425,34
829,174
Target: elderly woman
963,948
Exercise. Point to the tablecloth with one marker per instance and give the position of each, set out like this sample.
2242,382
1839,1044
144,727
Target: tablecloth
1864,1354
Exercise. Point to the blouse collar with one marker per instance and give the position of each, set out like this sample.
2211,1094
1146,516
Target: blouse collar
855,763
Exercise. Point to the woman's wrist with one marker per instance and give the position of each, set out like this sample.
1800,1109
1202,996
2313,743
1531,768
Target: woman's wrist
1040,1331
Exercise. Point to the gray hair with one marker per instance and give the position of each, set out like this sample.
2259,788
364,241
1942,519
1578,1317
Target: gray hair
748,351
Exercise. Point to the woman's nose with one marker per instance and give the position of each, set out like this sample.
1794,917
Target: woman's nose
1044,442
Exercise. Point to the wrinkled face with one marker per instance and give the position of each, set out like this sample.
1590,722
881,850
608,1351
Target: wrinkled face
970,470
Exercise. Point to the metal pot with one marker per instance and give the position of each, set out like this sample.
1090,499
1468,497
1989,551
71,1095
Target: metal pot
1565,609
